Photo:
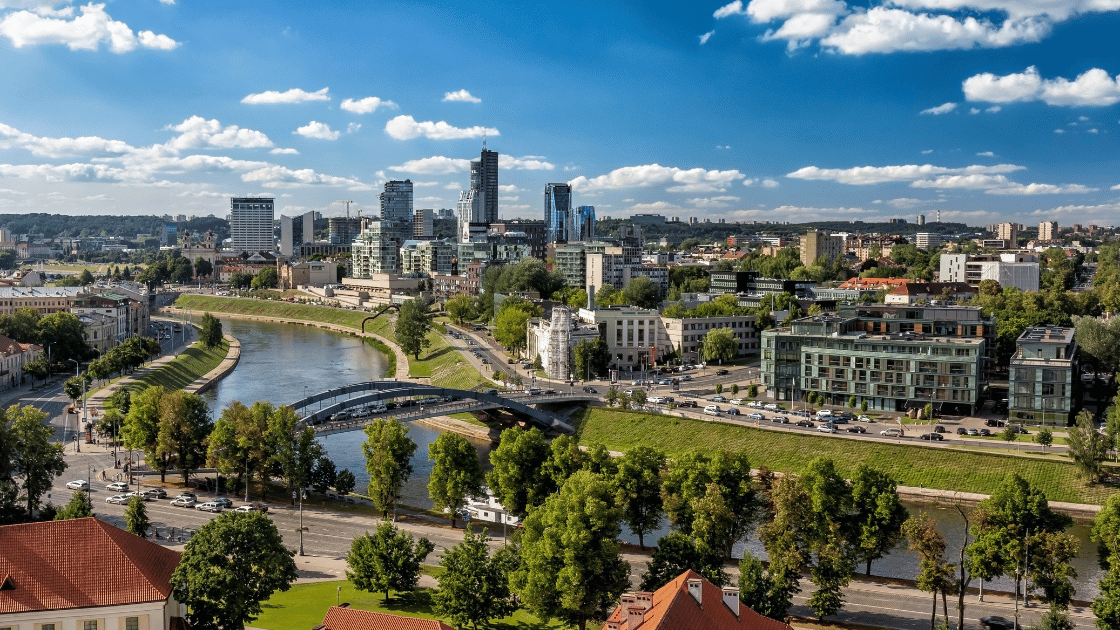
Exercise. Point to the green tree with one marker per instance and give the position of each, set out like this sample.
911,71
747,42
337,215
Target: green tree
344,482
34,459
460,307
386,560
388,451
764,590
719,388
414,321
473,587
22,325
85,278
719,344
786,540
638,483
1044,437
1086,447
607,295
141,428
1106,533
238,443
210,332
517,477
456,473
292,451
203,268
677,552
639,397
570,565
612,396
265,279
230,565
642,292
136,517
510,324
686,492
879,514
752,391
592,358
734,389
66,336
78,507
184,425
324,475
935,575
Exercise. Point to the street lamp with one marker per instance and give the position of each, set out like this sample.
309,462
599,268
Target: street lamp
77,438
301,527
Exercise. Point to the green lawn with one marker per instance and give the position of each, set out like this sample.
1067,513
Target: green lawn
941,468
188,367
304,605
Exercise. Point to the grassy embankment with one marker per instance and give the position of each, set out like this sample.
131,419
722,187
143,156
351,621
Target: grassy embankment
911,465
189,366
439,361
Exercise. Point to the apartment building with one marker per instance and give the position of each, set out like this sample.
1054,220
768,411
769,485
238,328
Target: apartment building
687,334
1044,373
46,300
1009,269
816,244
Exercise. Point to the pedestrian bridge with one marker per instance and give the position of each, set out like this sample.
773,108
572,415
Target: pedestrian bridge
317,408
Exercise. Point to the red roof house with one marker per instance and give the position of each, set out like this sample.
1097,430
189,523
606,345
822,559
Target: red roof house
692,602
341,618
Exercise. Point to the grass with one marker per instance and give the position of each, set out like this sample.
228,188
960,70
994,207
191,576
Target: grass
188,367
910,465
304,605
390,356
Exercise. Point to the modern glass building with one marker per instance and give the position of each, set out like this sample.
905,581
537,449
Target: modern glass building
396,202
251,224
484,181
557,212
583,226
1045,376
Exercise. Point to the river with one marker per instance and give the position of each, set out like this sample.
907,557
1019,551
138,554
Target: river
282,363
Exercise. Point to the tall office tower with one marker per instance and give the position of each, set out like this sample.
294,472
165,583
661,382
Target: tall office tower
1008,232
423,224
295,231
343,230
468,211
1048,230
583,224
396,202
250,224
557,212
484,181
921,219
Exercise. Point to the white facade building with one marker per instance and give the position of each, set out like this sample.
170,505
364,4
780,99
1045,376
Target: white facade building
251,224
635,337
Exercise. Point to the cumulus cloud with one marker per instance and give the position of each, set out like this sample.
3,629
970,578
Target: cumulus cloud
985,154
87,31
1093,87
678,180
279,151
197,132
944,108
509,189
706,36
727,10
526,163
318,130
770,183
1041,189
367,105
405,127
461,96
722,201
294,95
93,146
865,175
280,177
352,127
435,165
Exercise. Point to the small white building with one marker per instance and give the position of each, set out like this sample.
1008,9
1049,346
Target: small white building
487,509
554,340
636,337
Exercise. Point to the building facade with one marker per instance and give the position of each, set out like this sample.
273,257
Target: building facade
343,230
815,244
295,231
484,180
308,274
636,338
1010,269
1048,231
687,334
396,202
423,224
377,249
1044,373
583,224
928,241
557,212
251,224
534,231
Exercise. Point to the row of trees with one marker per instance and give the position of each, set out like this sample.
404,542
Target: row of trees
61,333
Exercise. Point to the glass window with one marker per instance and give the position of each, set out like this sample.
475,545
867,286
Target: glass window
131,623
47,626
89,625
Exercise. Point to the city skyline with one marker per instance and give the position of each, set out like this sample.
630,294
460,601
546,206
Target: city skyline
748,111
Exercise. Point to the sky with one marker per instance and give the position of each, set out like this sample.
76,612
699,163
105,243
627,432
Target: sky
754,110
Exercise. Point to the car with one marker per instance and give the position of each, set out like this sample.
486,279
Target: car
995,423
838,420
780,420
247,508
119,499
863,418
999,623
732,411
736,401
183,501
656,400
962,431
534,391
486,361
721,372
494,392
549,392
824,414
1020,430
669,399
940,429
827,428
686,377
712,410
187,495
770,407
156,493
932,437
590,390
754,416
717,398
117,486
972,432
855,428
142,495
687,403
892,432
224,502
985,433
754,404
805,423
209,506
78,484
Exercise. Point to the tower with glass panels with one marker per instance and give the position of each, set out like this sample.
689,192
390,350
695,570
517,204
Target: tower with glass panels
557,212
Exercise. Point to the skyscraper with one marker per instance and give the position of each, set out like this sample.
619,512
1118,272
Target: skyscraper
484,181
557,212
396,202
250,224
583,224
422,224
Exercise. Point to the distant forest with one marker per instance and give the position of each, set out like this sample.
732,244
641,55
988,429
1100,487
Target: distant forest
70,226
720,231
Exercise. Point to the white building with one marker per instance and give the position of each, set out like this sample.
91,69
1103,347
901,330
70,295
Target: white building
635,337
251,224
554,340
1009,269
686,334
377,249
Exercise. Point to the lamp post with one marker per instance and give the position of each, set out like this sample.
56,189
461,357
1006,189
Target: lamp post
77,439
49,359
301,527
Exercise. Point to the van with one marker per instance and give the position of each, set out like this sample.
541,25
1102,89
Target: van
824,413
891,432
712,410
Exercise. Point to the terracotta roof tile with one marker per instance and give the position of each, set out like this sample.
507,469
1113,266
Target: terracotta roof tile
80,563
339,618
673,608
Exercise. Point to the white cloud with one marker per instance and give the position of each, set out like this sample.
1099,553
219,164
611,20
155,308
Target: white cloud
509,189
367,105
431,199
197,132
692,180
461,96
944,108
280,177
993,109
1041,189
405,127
418,184
927,151
1093,87
985,154
864,175
727,10
770,183
906,203
974,111
706,36
318,130
1116,187
279,151
84,32
973,181
526,163
61,147
294,95
1094,131
435,165
1059,131
884,30
452,186
352,127
722,201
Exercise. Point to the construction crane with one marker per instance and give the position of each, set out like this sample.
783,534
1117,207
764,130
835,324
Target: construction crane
347,202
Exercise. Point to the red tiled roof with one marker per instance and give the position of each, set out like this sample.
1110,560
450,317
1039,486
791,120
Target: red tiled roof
350,619
673,608
80,563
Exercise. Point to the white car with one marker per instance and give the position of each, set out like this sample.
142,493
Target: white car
209,506
183,502
862,418
892,432
657,400
770,407
754,416
754,404
119,499
117,486
712,410
736,401
78,484
827,428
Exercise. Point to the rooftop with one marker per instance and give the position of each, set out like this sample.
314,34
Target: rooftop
1047,334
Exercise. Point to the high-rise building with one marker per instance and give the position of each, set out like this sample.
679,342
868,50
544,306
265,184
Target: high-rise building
557,212
927,240
423,225
343,230
295,231
1048,231
396,202
583,225
250,224
815,244
377,249
1008,232
921,219
484,180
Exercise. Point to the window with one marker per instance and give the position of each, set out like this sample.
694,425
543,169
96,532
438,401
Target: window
89,625
47,626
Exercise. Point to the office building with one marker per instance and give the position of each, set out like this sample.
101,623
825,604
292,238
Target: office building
296,231
928,241
396,202
752,283
815,244
1048,231
557,212
1043,374
484,179
377,249
636,338
170,236
251,224
534,231
343,230
687,333
1010,269
423,225
921,219
583,224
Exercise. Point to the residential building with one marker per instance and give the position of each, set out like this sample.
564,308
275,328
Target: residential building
85,573
396,203
557,212
571,262
689,601
752,283
307,274
343,230
13,356
687,333
484,180
636,338
426,258
423,225
928,241
99,331
930,292
322,248
815,244
251,224
534,231
377,249
1048,231
470,216
1009,269
295,231
921,219
618,265
115,306
1009,232
553,340
1044,373
583,224
345,618
46,300
893,357
464,278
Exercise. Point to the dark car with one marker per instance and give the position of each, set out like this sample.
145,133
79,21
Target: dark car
721,372
1020,430
933,437
590,390
687,403
855,428
806,423
224,502
985,433
995,423
492,392
999,623
156,493
732,411
961,431
940,429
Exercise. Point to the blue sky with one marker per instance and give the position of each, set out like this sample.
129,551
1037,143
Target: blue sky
784,110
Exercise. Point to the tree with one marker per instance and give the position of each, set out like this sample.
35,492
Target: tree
85,278
686,492
607,295
141,428
612,396
934,574
324,475
592,358
639,397
33,457
676,552
763,590
292,451
210,333
184,425
1106,533
719,388
265,279
752,391
1044,437
1087,447
879,514
785,539
388,451
570,565
719,344
75,386
510,324
473,587
237,444
517,477
66,336
78,507
460,307
456,473
638,483
136,517
230,565
642,292
414,321
203,268
387,560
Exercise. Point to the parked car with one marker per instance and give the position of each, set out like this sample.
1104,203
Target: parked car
855,428
721,372
805,423
117,486
770,407
252,507
736,401
686,377
892,432
973,432
932,437
156,493
940,429
1020,430
656,400
780,420
187,495
590,390
717,398
863,418
999,623
183,501
209,506
985,433
754,404
962,431
827,428
754,416
995,423
687,403
712,410
224,502
78,484
119,499
732,411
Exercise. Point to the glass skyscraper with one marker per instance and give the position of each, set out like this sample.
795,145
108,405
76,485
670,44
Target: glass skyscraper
250,224
557,212
484,181
396,202
583,226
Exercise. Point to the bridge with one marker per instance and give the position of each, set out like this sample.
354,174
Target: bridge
317,408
